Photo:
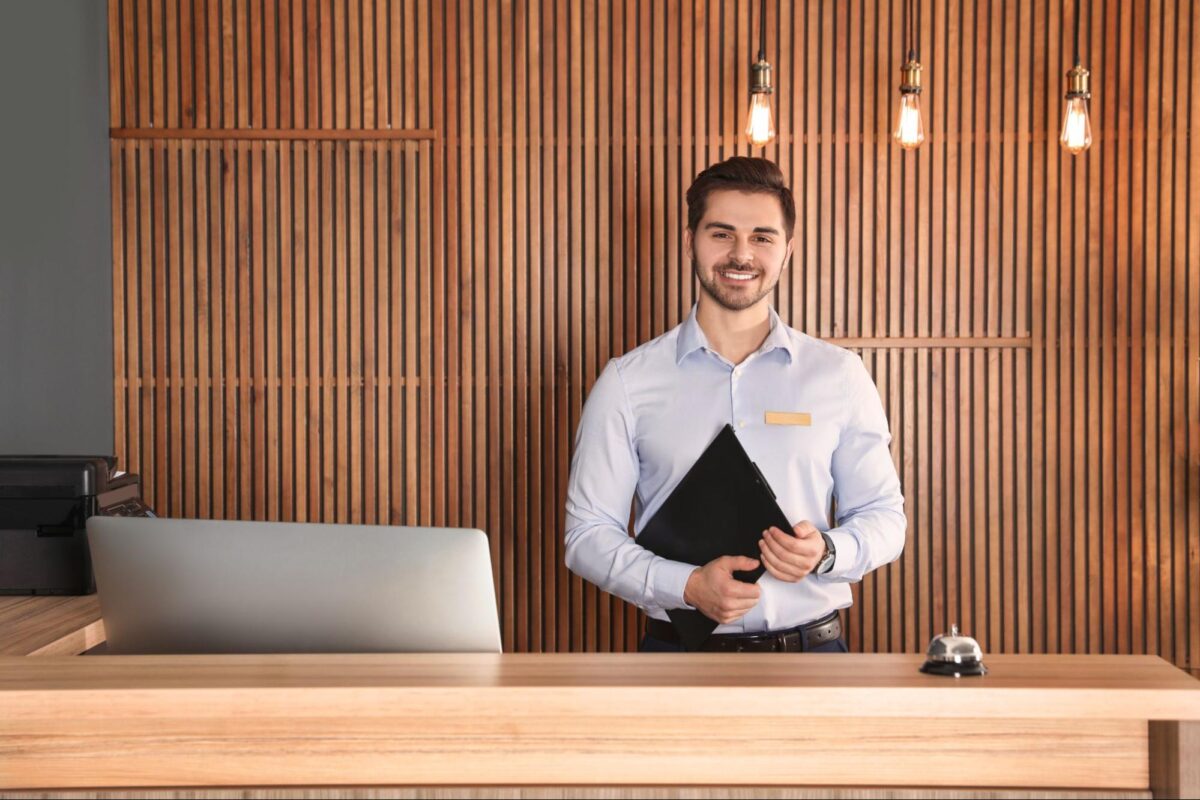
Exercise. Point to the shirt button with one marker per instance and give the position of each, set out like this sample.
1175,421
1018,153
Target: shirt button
742,424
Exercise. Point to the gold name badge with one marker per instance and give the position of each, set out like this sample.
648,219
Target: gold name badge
788,418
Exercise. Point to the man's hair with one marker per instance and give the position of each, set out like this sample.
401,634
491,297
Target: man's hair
742,174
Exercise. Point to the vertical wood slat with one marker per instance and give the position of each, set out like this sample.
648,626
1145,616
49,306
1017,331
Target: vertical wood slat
404,332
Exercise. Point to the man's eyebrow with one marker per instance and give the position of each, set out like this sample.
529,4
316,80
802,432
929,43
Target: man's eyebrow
725,226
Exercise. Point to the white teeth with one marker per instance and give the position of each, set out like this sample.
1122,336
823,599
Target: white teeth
739,276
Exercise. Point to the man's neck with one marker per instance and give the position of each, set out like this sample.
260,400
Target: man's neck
733,334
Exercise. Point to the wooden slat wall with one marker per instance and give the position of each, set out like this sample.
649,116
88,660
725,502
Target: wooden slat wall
316,319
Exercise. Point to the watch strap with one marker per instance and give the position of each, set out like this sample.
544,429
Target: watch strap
827,560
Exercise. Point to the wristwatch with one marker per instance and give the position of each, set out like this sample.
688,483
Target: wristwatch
826,562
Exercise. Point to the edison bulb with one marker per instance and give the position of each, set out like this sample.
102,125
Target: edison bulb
1076,129
760,126
909,130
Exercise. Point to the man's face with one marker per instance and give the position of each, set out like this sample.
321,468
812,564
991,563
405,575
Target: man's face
739,248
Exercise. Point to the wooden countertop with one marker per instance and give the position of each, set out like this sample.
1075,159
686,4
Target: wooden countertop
49,625
875,685
596,719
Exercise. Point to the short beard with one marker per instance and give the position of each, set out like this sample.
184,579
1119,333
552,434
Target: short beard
725,299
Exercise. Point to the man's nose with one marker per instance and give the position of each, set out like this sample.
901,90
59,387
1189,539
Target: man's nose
741,253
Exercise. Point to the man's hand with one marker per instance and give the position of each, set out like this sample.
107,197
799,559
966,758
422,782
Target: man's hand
714,591
790,558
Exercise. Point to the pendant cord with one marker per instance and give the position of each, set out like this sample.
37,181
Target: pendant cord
916,49
762,31
1077,34
911,26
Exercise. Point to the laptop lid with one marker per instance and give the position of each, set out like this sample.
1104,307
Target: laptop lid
205,586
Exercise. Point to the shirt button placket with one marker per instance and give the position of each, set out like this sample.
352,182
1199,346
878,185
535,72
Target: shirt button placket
733,395
739,422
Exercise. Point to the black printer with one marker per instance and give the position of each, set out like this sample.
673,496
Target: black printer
44,503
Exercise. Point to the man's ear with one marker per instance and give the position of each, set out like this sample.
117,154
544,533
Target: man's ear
687,245
788,255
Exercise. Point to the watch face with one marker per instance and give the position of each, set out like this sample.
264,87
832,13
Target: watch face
826,562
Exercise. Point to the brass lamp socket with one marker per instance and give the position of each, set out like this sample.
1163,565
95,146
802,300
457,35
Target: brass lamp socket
1077,83
910,77
760,77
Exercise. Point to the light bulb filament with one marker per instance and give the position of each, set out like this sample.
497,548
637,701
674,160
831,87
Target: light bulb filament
909,130
1076,129
760,127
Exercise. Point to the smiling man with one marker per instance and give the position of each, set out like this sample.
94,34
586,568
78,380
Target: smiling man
807,412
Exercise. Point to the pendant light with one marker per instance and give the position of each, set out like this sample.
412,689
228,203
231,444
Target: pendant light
760,126
909,130
1076,128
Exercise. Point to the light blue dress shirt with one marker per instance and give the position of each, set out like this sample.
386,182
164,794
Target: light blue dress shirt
654,410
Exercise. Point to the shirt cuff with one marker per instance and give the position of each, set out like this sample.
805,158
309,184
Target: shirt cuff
670,579
846,545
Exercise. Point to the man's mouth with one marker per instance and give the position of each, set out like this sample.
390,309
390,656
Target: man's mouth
738,274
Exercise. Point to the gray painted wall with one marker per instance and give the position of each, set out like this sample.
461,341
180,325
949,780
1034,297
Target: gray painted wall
56,380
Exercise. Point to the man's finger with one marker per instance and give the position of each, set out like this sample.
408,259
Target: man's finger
771,544
805,530
793,562
739,563
785,543
779,576
807,547
773,553
780,568
739,606
774,572
739,589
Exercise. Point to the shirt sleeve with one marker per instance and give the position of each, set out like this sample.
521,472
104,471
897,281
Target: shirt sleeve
604,475
871,524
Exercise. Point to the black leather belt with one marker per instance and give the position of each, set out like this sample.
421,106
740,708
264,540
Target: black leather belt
792,640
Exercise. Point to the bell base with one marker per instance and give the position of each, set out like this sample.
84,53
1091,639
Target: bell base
953,670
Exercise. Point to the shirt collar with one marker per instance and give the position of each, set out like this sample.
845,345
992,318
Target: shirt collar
691,337
778,338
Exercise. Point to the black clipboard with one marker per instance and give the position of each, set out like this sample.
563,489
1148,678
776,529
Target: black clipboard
720,508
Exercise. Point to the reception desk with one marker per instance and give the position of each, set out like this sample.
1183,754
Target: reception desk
49,625
1119,723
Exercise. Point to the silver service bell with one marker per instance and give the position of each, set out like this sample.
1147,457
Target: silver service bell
954,655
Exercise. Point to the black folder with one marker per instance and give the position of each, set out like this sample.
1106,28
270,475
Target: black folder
720,508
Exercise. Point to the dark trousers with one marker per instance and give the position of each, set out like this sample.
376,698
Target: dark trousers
652,645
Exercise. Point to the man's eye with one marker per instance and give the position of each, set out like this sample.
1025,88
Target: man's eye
763,239
720,235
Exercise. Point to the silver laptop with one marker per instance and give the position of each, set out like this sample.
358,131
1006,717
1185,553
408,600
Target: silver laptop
195,586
